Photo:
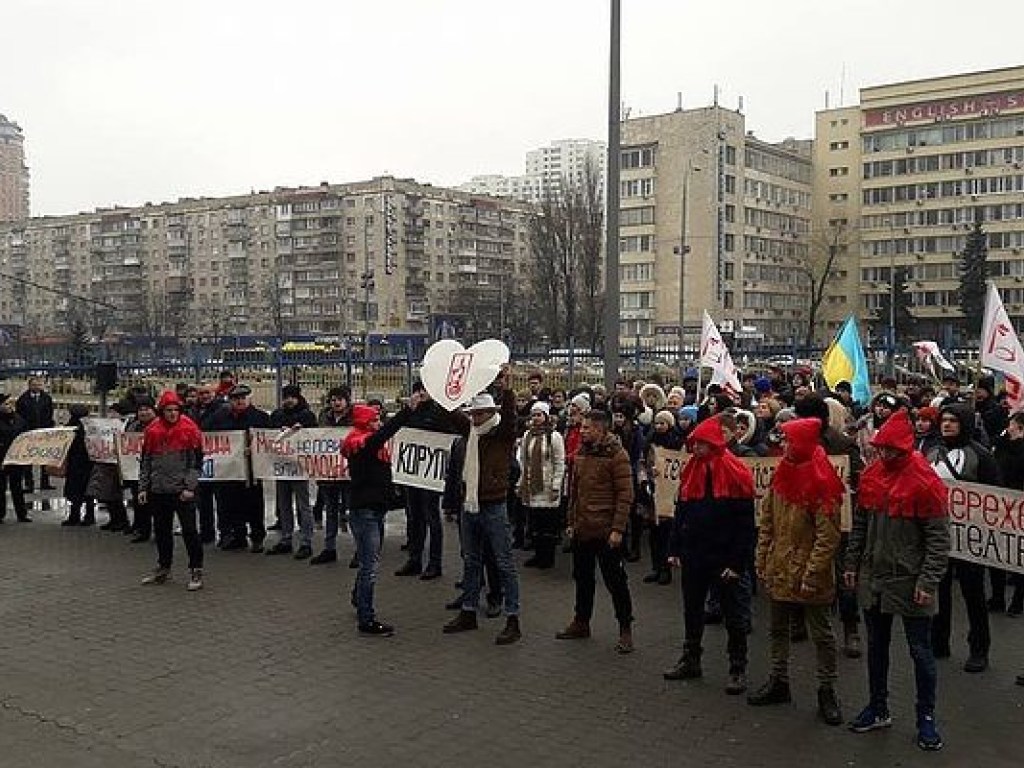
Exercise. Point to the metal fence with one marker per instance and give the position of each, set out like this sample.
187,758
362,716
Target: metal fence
390,377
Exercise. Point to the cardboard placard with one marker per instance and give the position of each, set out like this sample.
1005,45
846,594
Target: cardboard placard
101,439
419,458
302,454
40,447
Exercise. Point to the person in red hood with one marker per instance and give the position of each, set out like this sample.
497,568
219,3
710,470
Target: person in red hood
712,542
897,556
371,496
172,458
797,543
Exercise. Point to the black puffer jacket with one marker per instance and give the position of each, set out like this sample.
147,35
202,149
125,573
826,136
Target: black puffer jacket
288,417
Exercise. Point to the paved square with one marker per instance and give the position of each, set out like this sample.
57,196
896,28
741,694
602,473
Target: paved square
264,668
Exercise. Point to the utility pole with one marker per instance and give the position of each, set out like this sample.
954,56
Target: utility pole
611,238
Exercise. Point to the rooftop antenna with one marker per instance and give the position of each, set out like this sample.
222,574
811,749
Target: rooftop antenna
842,86
679,101
716,94
826,98
739,108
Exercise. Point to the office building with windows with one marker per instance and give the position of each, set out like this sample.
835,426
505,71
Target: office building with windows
13,172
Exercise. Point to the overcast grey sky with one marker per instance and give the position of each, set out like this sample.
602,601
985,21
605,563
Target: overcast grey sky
125,101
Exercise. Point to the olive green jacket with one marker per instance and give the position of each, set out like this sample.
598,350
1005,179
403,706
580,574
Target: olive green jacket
893,556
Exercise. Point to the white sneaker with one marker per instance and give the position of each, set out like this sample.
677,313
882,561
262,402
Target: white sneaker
158,576
195,580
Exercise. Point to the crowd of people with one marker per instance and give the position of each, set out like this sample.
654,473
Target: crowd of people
573,473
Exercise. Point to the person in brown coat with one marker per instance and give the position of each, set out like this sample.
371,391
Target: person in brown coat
796,549
602,495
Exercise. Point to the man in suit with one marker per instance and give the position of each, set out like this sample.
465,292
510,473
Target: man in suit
35,406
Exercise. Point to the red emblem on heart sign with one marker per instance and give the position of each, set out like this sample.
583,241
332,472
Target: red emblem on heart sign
455,383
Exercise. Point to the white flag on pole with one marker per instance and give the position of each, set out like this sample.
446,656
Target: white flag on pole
715,355
1001,350
929,354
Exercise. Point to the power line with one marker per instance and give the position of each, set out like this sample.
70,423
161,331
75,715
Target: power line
57,291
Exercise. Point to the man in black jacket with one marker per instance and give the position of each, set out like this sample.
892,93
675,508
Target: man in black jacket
206,407
335,493
240,504
423,507
11,425
960,457
35,406
292,495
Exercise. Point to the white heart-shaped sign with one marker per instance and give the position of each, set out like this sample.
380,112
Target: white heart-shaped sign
452,374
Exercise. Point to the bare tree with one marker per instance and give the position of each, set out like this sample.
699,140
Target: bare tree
566,241
819,270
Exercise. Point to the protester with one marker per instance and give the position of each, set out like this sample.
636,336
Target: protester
542,460
599,509
1009,455
239,503
959,457
77,469
208,404
489,447
105,487
293,495
369,462
35,406
11,425
667,435
142,525
335,493
712,543
797,542
172,459
896,557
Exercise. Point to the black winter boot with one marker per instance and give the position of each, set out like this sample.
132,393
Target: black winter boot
688,667
775,691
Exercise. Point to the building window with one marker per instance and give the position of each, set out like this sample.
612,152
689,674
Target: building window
730,243
638,187
840,197
729,271
730,212
640,157
841,170
728,302
636,244
637,300
730,155
730,184
836,145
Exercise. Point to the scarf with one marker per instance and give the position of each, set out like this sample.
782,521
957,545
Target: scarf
805,477
906,486
537,442
471,469
721,474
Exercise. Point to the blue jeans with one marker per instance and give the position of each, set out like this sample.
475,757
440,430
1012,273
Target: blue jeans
491,523
335,505
292,495
367,527
919,639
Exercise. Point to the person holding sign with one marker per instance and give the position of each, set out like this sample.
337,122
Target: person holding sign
711,542
897,555
11,425
797,543
369,463
293,495
145,414
172,459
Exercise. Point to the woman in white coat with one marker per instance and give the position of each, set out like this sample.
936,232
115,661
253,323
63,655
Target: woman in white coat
542,459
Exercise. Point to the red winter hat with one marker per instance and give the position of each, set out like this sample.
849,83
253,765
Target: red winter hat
169,397
363,416
897,432
928,414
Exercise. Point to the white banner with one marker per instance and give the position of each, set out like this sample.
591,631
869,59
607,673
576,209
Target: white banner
715,355
928,353
223,456
1001,350
987,525
101,439
302,454
41,447
419,458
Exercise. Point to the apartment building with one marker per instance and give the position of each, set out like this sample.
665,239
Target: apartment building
13,172
695,182
547,170
909,170
388,256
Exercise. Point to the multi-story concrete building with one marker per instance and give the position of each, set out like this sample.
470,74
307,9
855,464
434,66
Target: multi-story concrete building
314,261
908,172
13,172
695,182
547,170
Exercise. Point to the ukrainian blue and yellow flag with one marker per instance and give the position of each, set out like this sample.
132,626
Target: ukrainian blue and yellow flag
844,361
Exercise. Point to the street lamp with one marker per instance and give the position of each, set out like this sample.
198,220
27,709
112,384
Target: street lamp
683,250
892,297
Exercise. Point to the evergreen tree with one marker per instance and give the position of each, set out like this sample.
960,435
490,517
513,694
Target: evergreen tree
973,264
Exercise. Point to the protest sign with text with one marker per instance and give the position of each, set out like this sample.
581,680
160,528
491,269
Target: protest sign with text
41,447
419,458
302,454
223,456
987,525
101,439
